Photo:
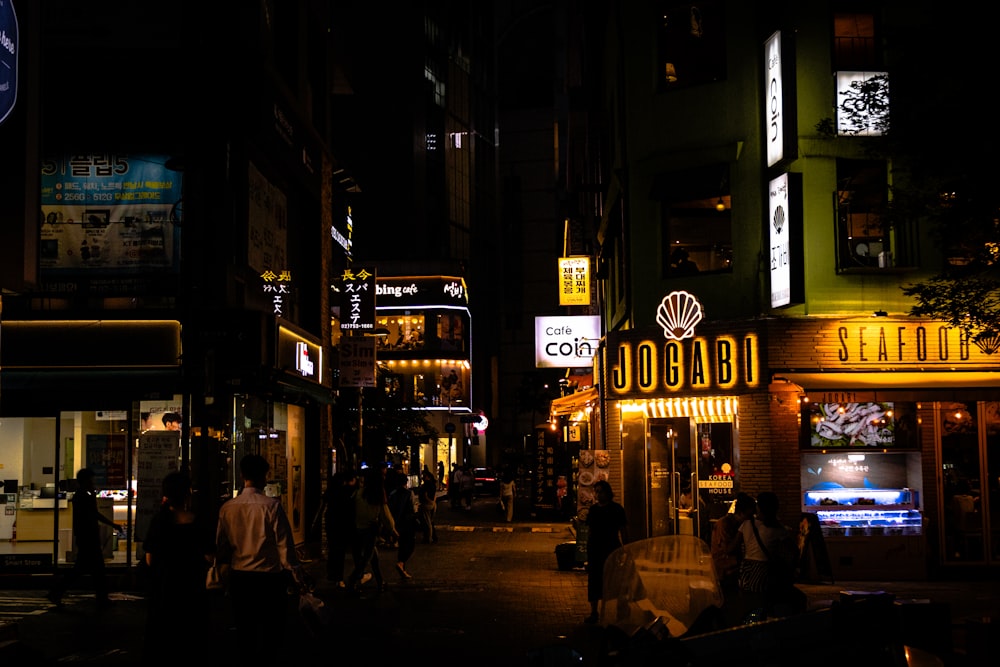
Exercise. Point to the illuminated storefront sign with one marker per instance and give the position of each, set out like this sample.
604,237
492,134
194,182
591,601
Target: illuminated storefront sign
357,292
574,281
881,343
277,286
298,354
781,292
566,342
862,103
775,135
422,292
639,365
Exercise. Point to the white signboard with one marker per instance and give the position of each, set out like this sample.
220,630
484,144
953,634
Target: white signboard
357,361
775,134
781,275
566,342
862,103
159,454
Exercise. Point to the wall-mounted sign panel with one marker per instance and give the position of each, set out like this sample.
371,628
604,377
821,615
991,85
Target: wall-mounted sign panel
574,281
109,214
566,342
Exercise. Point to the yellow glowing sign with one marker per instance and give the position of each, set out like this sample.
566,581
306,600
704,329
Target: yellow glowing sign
574,281
645,366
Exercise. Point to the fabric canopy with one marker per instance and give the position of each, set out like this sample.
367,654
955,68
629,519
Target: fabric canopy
573,403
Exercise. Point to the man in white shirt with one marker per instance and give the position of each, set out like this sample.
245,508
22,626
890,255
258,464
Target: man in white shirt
255,539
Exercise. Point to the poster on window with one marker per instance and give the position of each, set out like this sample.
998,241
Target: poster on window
158,454
108,213
107,457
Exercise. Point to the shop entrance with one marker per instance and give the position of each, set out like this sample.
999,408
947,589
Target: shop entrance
970,461
672,470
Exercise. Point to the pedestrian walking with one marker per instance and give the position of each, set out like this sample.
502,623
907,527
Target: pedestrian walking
726,555
455,487
372,519
508,491
89,548
607,530
179,547
427,495
338,518
467,487
767,570
255,539
401,505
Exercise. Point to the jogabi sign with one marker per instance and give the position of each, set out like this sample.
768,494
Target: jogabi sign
566,341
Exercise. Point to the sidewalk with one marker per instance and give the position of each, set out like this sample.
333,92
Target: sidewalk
493,592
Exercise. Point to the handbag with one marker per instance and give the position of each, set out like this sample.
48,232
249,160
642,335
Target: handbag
313,612
778,575
217,577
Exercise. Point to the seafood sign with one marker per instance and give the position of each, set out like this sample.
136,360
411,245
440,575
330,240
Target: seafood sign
852,425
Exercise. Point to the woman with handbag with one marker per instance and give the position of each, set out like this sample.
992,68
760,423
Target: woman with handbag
767,570
373,519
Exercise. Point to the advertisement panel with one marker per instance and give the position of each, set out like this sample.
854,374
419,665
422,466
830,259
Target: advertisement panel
110,214
574,281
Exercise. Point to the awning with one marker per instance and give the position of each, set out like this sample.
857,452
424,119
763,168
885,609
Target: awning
930,380
568,405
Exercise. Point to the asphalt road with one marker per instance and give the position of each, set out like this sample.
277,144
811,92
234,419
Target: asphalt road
491,594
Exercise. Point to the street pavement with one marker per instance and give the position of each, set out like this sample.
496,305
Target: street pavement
491,593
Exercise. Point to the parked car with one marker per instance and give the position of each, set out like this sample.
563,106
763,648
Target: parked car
487,482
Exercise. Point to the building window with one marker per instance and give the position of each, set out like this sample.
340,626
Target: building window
862,186
691,43
854,45
697,221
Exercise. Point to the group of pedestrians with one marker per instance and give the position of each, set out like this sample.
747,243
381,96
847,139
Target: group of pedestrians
379,509
756,559
251,541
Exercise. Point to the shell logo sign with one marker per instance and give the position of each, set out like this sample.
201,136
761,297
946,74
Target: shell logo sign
679,313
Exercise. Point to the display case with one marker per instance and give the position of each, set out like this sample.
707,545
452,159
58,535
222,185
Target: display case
846,512
869,507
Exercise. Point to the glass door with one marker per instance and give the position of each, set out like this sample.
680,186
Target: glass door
963,518
672,462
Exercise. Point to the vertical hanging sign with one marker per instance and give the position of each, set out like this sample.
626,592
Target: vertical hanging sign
8,58
357,300
778,231
574,281
773,99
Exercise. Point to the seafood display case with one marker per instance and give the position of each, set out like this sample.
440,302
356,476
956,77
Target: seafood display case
846,511
861,475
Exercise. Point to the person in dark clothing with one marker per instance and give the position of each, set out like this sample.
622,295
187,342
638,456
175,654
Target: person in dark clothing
339,520
179,547
403,512
607,526
427,496
87,536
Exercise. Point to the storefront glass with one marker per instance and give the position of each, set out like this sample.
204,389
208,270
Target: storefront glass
962,517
